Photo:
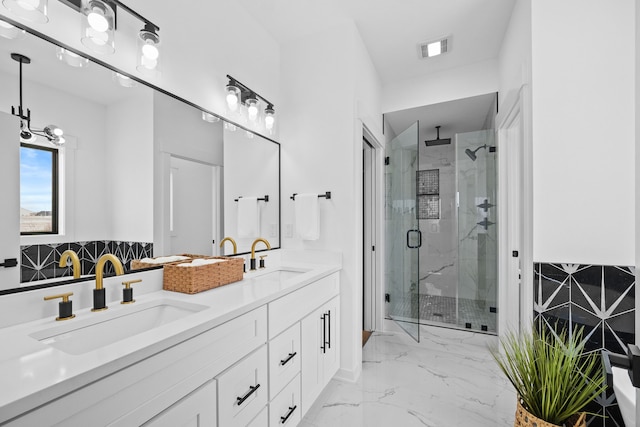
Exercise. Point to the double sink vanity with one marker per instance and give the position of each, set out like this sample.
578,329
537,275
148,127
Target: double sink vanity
256,352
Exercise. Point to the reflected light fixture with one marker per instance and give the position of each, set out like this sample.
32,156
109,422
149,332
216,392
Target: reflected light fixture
29,10
9,31
208,117
98,26
230,127
123,80
238,94
70,58
52,133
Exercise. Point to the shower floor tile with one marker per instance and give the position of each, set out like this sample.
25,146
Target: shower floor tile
445,310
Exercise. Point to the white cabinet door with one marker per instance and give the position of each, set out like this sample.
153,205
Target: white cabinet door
10,205
320,352
198,409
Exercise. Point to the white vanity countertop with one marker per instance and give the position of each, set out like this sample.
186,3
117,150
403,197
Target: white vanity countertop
34,373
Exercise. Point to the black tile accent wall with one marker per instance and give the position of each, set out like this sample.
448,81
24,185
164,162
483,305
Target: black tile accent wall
600,298
41,262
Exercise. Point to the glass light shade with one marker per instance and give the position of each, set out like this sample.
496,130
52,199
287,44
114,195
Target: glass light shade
123,80
9,31
98,26
29,10
230,127
70,58
207,117
233,97
148,53
252,108
269,118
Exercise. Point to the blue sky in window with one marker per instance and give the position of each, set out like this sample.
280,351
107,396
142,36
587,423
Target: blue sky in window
35,179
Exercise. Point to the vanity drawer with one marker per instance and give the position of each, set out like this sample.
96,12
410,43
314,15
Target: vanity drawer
284,410
289,309
284,359
243,389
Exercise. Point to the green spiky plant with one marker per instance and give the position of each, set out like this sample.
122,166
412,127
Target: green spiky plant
552,375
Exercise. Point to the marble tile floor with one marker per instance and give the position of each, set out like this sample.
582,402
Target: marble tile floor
448,379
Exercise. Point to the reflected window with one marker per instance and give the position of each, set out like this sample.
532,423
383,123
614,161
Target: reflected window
38,189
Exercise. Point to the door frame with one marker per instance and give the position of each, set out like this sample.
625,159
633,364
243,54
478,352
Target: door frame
375,287
515,228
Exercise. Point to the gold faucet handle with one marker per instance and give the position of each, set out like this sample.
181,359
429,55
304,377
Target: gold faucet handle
65,297
127,284
65,308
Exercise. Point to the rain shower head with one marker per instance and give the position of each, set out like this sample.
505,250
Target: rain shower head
437,141
472,154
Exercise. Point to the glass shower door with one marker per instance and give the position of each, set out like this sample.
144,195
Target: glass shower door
477,231
402,233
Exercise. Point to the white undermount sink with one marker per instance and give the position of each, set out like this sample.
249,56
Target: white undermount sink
281,275
625,395
78,336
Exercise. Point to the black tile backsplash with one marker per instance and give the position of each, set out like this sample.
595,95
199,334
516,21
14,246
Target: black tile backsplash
600,298
40,262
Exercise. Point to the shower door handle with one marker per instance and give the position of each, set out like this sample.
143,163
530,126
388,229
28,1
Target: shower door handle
409,245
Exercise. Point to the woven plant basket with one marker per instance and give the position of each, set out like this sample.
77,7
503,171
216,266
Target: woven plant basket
191,280
525,419
136,264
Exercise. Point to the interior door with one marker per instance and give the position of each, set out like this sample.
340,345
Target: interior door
9,208
192,210
403,233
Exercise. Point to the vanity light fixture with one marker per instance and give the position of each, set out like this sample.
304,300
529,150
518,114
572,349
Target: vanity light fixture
9,31
98,26
29,10
148,52
238,95
70,58
51,132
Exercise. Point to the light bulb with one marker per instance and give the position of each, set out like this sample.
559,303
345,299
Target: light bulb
268,122
232,101
97,21
150,51
252,108
148,63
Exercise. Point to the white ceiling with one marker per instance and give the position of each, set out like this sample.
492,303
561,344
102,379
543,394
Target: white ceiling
391,30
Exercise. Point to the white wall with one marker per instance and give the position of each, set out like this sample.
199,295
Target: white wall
130,168
321,151
583,131
514,59
462,82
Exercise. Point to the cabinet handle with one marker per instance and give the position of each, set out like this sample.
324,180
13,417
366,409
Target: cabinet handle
329,340
324,334
285,361
286,417
252,389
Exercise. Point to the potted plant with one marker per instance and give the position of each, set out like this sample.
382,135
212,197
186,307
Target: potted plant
554,378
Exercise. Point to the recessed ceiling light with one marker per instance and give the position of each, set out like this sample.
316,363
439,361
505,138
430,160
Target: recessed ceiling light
433,48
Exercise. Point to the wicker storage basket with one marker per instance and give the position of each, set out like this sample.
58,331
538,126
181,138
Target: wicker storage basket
191,280
525,419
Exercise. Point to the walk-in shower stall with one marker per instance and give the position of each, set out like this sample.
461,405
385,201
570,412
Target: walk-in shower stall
440,212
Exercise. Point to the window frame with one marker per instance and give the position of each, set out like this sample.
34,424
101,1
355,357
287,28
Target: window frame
55,179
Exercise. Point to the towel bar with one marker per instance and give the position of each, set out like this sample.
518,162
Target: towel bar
264,199
326,195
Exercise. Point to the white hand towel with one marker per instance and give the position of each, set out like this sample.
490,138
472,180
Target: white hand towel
248,217
307,212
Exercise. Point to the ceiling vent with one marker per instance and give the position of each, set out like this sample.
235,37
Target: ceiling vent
434,47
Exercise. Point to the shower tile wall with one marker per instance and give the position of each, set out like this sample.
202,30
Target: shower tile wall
438,254
600,298
40,262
